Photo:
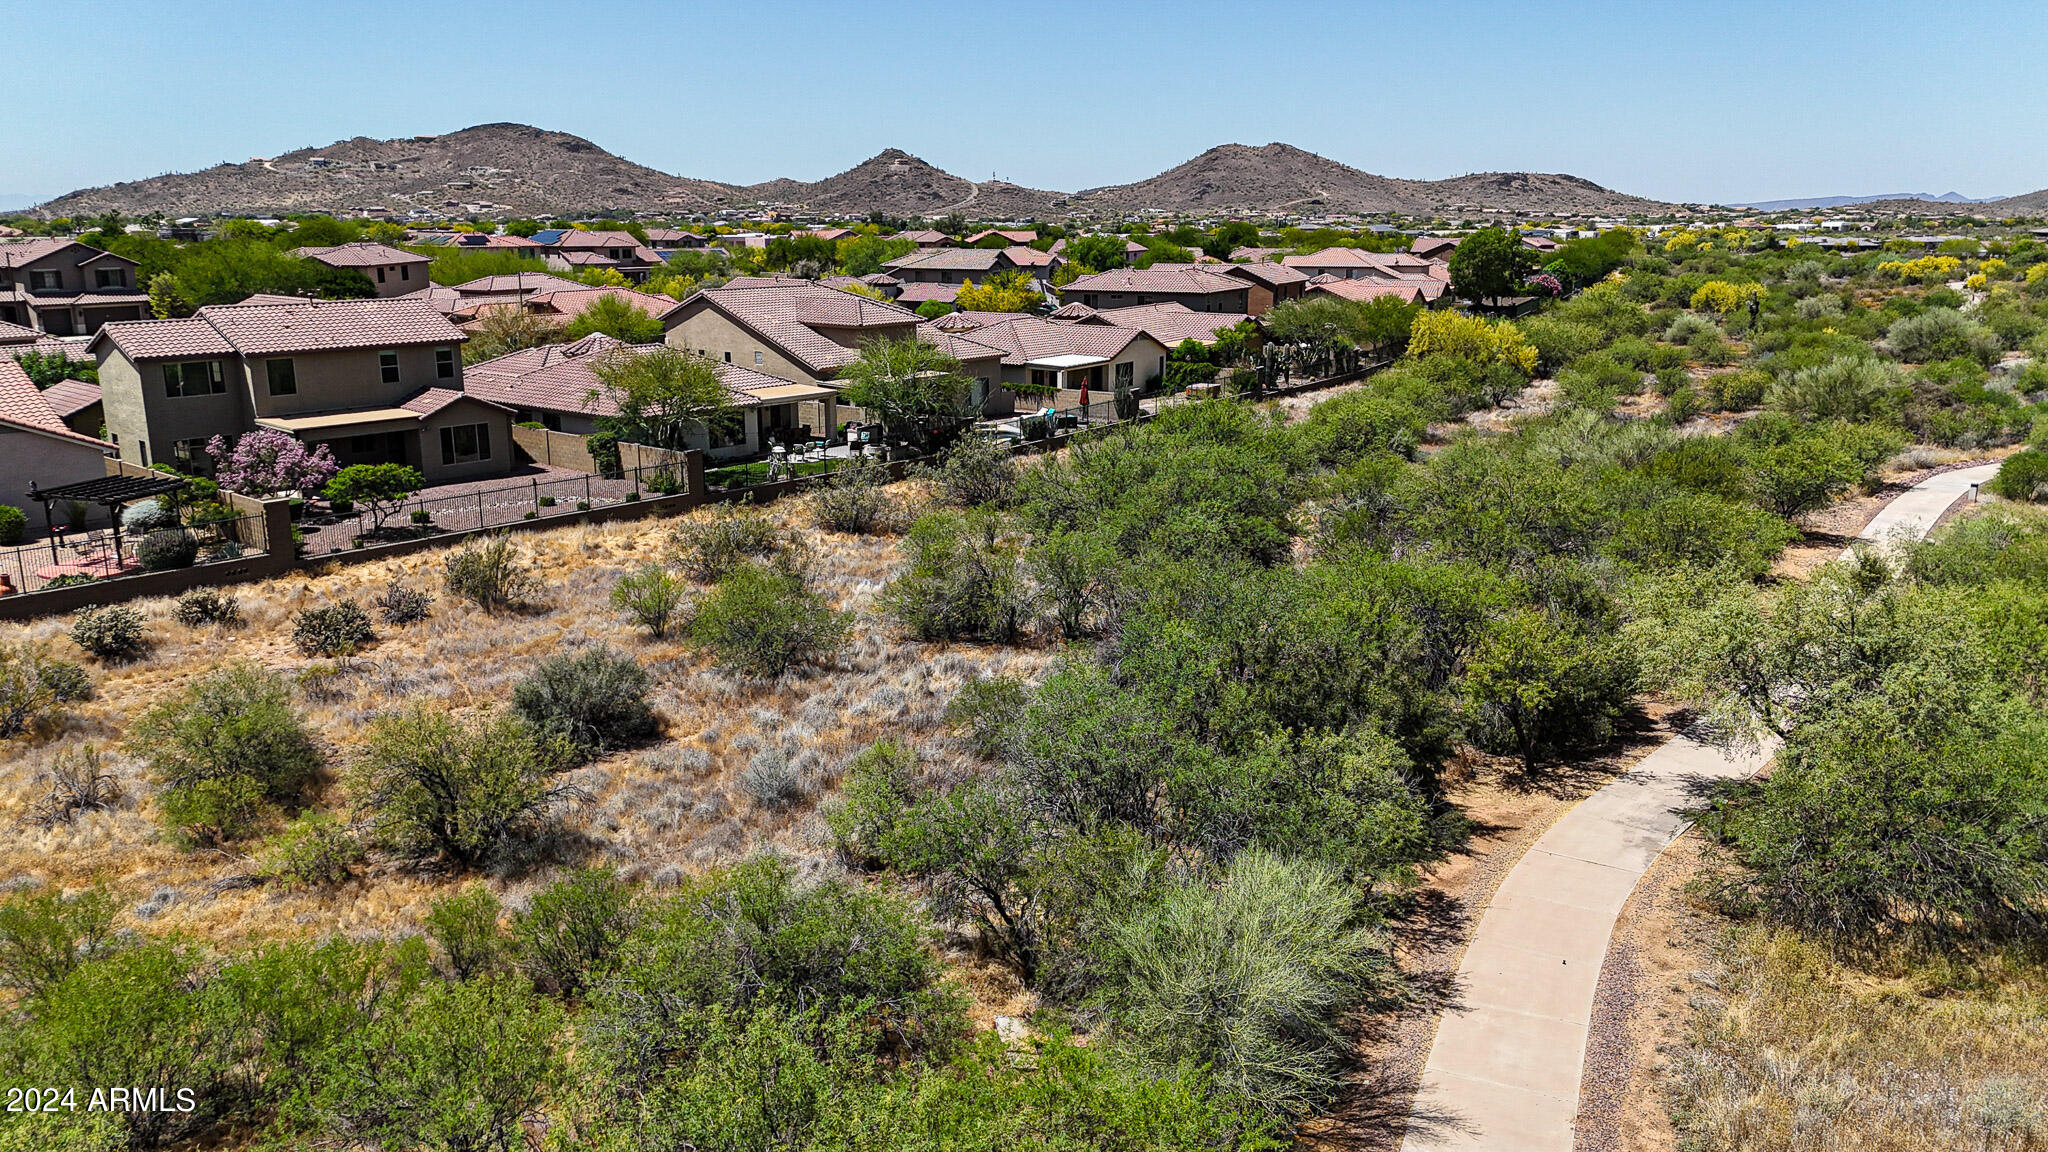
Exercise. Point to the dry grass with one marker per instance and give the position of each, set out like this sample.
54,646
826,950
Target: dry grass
654,814
1788,1049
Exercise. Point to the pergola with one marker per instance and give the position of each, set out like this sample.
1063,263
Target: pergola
110,492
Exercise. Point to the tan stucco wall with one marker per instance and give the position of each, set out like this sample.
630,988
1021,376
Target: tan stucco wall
334,381
137,410
716,335
46,461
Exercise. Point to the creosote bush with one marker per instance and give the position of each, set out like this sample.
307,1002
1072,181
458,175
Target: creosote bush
975,470
964,580
763,621
110,632
33,684
594,703
652,596
858,500
706,549
227,748
492,576
467,792
77,784
315,851
332,630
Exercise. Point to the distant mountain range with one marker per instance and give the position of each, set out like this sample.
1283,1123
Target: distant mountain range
1849,201
519,169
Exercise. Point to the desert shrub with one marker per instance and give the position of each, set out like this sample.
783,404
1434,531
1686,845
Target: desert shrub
401,603
594,702
1593,381
569,935
146,516
33,682
1345,428
1558,342
464,927
109,631
1686,404
1687,325
975,470
1819,308
1845,388
76,785
988,708
492,576
878,786
314,851
963,580
332,630
223,750
2023,476
1908,812
167,548
449,1065
45,938
771,781
1539,684
1736,391
201,606
13,524
469,792
858,500
1252,976
762,622
1940,334
652,596
706,549
1709,348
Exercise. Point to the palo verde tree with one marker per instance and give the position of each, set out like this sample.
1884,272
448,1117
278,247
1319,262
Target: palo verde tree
908,385
665,396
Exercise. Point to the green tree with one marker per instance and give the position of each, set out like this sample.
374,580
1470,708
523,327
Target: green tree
464,791
911,387
1095,253
1489,264
666,397
223,748
384,488
617,317
1546,684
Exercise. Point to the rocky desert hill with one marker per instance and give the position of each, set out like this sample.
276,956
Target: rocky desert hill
524,170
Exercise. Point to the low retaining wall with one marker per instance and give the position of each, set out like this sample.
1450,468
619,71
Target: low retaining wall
559,449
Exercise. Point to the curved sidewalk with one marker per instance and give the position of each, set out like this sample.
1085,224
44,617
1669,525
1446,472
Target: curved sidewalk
1507,1066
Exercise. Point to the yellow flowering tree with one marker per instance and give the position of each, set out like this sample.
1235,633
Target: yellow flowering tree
1921,269
2037,273
1975,282
1471,337
1993,268
1002,292
1721,297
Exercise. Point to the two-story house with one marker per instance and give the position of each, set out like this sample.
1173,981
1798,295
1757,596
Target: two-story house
567,249
66,288
377,381
394,271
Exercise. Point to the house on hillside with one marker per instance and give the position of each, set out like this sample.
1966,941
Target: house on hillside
65,288
797,330
377,381
36,446
1270,282
673,238
1195,286
558,385
394,271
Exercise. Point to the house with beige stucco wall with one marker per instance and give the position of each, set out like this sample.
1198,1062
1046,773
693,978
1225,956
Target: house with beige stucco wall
376,381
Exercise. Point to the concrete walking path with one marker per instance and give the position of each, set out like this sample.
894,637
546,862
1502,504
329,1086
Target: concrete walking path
1507,1066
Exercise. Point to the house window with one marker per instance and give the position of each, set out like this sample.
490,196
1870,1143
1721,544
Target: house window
142,447
387,366
194,378
464,443
757,357
110,277
405,272
728,357
380,275
1124,371
41,281
444,363
284,381
188,451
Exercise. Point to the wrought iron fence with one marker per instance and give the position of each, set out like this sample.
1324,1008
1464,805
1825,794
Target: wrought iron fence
76,557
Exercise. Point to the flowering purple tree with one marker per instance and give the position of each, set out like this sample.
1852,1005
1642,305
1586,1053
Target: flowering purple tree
1545,282
264,463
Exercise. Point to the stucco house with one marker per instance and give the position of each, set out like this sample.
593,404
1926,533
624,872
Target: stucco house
36,447
1196,286
377,381
65,288
394,271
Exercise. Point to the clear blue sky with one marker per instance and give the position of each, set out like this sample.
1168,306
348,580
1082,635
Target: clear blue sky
1681,101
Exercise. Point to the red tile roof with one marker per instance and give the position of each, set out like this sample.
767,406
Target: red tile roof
16,253
22,406
1024,257
914,294
432,400
1412,291
1160,279
70,397
329,325
1265,272
516,282
952,260
164,339
17,333
1170,322
360,254
562,377
1024,338
787,312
